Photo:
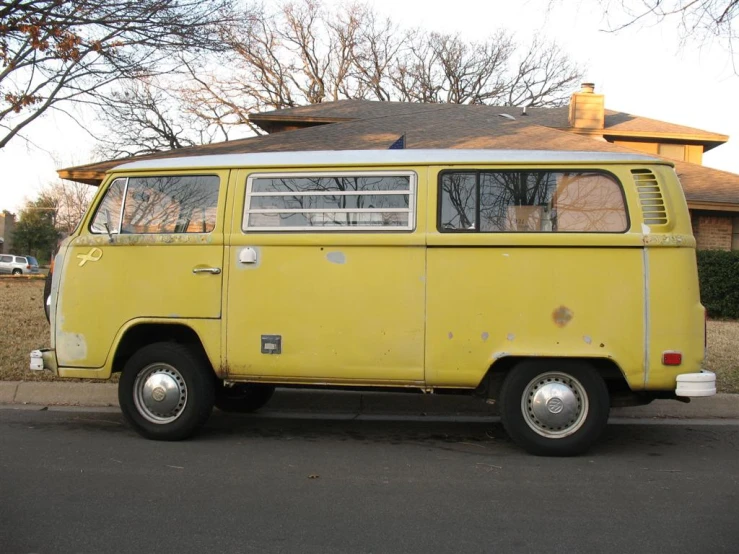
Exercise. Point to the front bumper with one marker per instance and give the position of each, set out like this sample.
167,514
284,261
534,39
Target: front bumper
698,384
44,359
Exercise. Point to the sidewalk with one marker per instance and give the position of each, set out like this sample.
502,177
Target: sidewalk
723,406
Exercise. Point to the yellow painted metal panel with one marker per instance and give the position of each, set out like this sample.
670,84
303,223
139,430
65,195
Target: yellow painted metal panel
676,316
208,330
348,306
488,303
351,312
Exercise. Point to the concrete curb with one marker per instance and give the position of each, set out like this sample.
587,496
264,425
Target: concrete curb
721,406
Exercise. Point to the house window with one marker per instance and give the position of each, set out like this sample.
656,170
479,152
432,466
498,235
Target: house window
531,201
673,151
330,202
735,234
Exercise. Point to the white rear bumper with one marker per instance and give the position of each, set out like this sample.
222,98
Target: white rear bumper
696,384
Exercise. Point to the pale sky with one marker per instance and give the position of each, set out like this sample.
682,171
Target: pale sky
640,71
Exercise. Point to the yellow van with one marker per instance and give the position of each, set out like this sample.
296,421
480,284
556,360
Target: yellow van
555,284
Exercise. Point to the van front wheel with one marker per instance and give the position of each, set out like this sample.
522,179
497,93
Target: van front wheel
166,391
554,408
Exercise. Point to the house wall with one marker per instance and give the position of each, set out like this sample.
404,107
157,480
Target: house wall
692,153
715,232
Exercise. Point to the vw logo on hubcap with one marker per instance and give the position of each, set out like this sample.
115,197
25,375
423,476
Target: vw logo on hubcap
555,405
158,394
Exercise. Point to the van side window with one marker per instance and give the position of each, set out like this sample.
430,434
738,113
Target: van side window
157,205
171,204
531,201
108,215
330,202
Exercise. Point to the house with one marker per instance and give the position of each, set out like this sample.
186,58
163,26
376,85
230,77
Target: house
7,227
712,195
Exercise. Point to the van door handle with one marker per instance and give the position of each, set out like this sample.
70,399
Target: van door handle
213,270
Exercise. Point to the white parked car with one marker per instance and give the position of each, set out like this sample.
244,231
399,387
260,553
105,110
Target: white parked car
18,265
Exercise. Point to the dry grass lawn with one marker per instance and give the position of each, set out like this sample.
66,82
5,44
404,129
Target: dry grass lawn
723,354
24,328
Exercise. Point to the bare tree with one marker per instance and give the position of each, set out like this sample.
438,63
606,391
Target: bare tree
301,54
697,21
145,117
70,201
54,53
444,68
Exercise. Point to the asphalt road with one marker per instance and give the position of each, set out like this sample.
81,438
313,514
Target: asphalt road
83,482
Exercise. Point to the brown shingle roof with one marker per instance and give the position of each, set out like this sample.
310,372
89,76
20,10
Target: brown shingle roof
616,122
707,185
439,126
472,128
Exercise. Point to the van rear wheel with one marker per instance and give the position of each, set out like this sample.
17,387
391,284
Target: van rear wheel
554,408
243,397
166,391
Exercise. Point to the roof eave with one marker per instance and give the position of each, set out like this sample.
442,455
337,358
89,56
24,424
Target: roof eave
712,206
269,122
708,141
88,177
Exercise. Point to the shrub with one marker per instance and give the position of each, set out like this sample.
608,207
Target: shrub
719,281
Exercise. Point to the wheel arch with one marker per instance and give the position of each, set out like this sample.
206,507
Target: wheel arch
614,377
141,334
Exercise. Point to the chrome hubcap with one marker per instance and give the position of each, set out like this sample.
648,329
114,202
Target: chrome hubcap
554,405
160,393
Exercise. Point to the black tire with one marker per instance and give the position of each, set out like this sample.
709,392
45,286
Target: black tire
17,272
193,371
584,429
243,397
47,293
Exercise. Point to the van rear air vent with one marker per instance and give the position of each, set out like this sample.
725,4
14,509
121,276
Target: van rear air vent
650,197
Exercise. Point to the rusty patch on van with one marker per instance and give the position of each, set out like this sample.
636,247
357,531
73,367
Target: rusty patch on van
562,316
142,239
669,240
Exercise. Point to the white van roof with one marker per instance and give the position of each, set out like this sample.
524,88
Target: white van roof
305,158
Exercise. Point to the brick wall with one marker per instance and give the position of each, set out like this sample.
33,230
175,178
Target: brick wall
712,232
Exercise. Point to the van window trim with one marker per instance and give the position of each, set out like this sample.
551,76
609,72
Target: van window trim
412,209
477,173
100,204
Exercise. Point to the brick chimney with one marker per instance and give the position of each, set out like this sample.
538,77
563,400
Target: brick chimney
587,110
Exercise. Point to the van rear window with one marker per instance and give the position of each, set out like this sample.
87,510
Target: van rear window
531,201
354,202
